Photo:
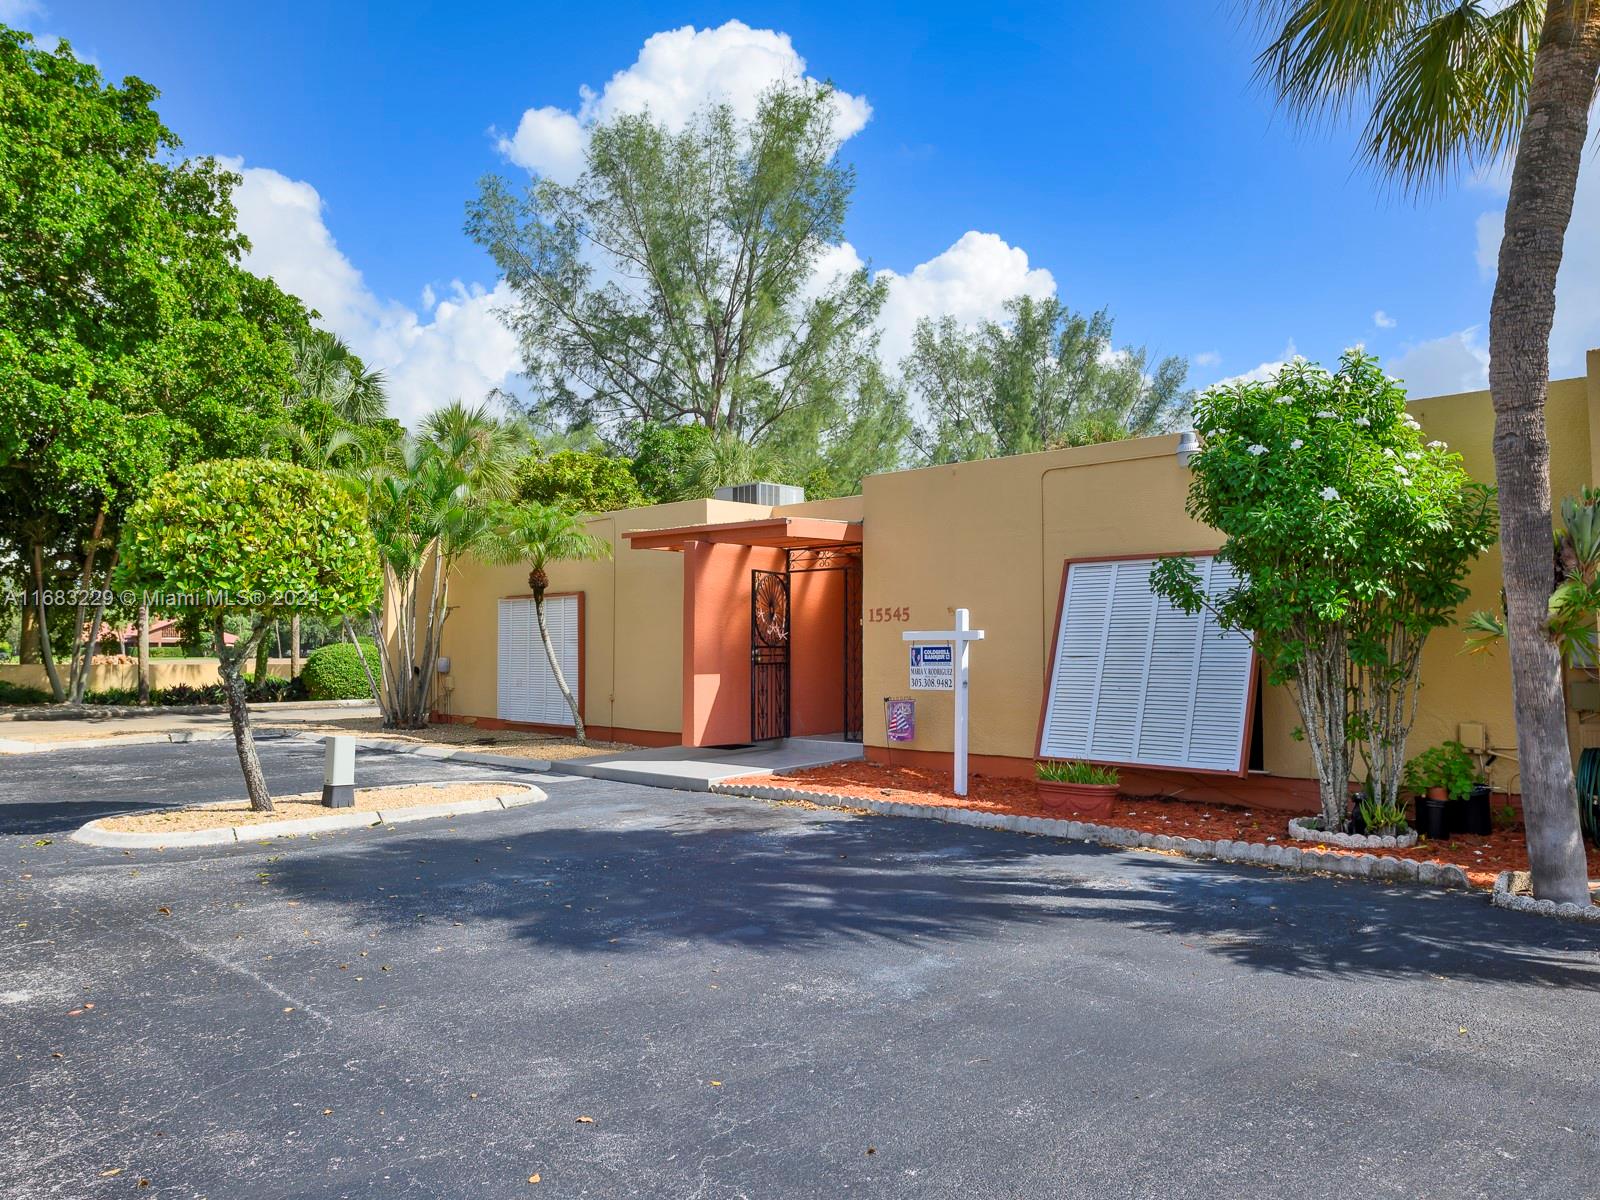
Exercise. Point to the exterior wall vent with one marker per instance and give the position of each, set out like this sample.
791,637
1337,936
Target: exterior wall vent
770,494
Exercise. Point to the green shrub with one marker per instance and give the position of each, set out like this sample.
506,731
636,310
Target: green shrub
1056,771
333,672
16,693
1447,766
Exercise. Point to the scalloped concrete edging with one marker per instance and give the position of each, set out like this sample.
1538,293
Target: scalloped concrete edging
1256,854
517,795
1301,830
1507,894
77,712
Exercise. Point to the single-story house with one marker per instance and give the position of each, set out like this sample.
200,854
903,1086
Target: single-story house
734,620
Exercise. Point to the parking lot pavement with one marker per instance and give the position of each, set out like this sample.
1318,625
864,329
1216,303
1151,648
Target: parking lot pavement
636,992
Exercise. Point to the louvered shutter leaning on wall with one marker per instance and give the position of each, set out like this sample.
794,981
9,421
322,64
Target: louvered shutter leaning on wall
526,687
1138,682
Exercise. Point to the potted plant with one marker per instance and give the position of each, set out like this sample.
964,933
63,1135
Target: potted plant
1443,779
1080,788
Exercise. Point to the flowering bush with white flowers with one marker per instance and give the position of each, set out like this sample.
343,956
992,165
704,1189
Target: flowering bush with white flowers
1351,538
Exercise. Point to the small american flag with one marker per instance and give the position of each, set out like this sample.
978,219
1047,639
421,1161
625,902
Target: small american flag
902,720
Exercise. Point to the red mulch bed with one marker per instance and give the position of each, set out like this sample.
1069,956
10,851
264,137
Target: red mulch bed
1481,857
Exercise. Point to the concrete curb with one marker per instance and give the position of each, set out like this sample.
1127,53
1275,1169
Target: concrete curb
1507,895
1255,854
93,834
174,736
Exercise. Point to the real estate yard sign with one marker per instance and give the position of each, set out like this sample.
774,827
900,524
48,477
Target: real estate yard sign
932,667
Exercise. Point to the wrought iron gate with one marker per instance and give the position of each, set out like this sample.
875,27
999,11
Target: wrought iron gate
769,655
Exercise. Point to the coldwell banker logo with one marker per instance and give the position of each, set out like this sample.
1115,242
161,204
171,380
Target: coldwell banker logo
932,667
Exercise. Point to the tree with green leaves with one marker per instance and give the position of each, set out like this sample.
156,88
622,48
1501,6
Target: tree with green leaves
1350,539
582,481
675,280
1043,377
428,504
249,538
1452,84
541,534
131,340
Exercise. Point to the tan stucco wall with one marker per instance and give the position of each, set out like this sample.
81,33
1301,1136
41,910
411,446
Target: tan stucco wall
993,537
633,621
116,672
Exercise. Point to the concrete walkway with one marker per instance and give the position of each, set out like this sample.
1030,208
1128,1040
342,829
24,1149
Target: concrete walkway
696,768
22,734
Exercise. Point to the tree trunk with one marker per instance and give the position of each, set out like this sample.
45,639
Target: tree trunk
228,664
1538,210
80,684
144,654
555,666
294,646
263,651
28,643
366,669
46,653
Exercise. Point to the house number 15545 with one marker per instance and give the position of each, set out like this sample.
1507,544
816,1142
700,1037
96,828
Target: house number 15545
897,613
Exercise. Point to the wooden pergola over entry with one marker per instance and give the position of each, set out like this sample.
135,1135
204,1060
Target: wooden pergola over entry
771,627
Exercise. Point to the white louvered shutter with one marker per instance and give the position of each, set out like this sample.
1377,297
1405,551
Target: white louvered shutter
1137,681
527,689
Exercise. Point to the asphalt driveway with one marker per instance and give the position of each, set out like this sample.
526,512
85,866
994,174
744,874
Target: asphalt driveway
631,992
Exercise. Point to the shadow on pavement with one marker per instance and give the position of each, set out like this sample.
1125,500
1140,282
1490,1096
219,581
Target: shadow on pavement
735,876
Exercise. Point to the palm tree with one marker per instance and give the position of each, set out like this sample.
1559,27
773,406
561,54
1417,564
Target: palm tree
1453,84
326,369
540,534
428,502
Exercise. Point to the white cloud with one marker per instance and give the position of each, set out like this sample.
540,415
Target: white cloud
1383,320
1577,323
1262,371
1206,358
677,72
971,281
14,12
455,347
1458,362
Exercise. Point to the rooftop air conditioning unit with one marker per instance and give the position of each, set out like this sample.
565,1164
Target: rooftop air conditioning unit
770,494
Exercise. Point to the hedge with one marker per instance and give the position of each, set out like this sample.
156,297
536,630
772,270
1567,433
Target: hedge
333,672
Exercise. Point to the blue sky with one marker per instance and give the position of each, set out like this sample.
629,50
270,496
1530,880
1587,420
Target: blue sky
1122,149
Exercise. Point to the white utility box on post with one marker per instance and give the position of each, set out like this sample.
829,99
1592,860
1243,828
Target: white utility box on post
339,773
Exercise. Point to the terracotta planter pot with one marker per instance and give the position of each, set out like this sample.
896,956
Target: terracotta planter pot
1091,800
1438,793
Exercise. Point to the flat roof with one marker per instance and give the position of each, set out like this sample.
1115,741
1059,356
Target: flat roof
784,533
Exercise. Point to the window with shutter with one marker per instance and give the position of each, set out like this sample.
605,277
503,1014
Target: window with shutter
526,686
1137,682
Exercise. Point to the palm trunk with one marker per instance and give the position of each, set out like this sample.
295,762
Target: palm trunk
228,664
361,657
555,666
1538,210
144,654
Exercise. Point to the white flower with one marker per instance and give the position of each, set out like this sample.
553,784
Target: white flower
1438,445
1329,493
1363,422
1388,451
1413,455
1327,414
1283,399
1296,444
1411,421
1258,449
1401,471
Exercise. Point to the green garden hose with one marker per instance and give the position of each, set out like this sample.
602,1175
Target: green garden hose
1589,793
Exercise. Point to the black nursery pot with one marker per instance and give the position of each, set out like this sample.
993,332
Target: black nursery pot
1472,814
1433,819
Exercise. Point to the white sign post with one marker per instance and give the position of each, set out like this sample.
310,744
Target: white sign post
959,640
